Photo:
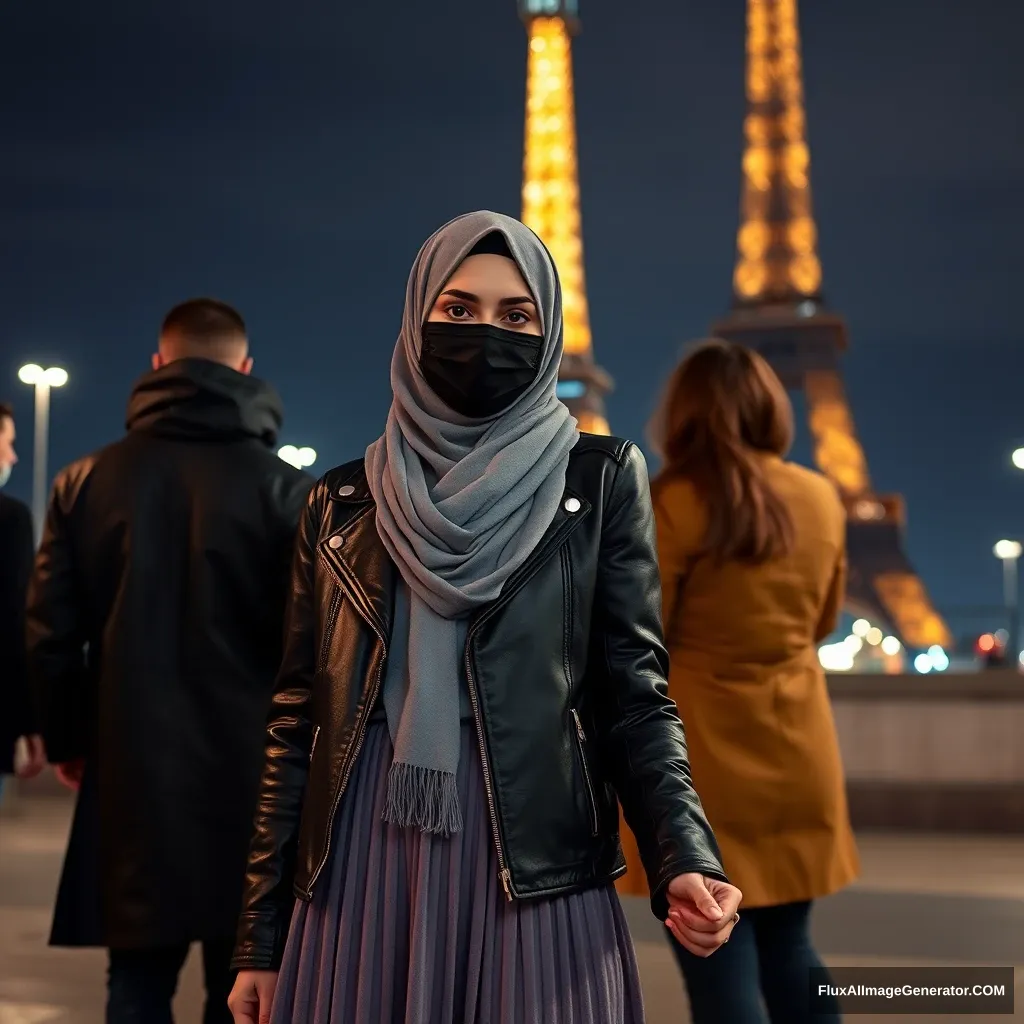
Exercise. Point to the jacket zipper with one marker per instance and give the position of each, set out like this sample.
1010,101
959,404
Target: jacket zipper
332,618
581,742
354,749
316,736
503,872
527,572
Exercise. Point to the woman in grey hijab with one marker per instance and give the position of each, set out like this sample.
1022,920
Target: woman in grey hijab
473,671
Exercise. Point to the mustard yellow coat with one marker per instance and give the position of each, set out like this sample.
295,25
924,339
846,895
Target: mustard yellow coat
745,674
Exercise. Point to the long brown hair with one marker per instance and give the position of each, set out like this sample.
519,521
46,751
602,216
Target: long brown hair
723,405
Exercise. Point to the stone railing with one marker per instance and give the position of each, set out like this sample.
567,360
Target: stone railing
943,753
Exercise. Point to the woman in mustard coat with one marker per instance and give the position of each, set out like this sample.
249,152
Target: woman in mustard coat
752,552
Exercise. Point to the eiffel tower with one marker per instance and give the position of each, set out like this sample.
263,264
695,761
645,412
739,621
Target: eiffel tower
551,196
779,310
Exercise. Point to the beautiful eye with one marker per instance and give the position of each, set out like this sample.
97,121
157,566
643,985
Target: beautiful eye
520,317
456,311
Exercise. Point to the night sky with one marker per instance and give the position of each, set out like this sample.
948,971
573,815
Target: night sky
290,158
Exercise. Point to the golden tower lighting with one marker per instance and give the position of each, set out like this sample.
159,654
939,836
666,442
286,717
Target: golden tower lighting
779,310
551,196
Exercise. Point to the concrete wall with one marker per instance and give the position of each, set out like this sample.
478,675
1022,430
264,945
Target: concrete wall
938,753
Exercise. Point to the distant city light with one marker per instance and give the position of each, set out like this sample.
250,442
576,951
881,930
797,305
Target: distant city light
923,664
1002,636
938,658
986,643
853,644
835,658
1018,458
1007,549
570,389
891,646
300,458
861,628
874,636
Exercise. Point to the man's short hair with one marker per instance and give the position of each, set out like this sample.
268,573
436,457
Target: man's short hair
204,320
6,412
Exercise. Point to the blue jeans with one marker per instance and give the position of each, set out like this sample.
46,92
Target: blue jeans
761,975
142,983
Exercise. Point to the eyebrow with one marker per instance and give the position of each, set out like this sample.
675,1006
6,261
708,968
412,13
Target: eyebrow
516,300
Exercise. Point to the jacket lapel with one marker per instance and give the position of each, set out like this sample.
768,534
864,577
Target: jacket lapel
357,558
572,510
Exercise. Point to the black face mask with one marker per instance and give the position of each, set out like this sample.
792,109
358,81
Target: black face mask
478,369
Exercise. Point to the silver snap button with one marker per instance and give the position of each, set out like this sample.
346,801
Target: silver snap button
572,504
335,542
347,491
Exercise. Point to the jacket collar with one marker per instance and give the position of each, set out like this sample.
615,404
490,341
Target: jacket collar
358,559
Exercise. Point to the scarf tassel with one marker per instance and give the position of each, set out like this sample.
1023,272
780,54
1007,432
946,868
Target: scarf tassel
423,797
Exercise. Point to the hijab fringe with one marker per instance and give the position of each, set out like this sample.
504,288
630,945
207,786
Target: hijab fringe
425,798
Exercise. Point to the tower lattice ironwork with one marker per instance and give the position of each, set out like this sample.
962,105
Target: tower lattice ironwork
551,196
779,311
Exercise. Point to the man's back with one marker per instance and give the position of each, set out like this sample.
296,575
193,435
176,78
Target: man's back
166,554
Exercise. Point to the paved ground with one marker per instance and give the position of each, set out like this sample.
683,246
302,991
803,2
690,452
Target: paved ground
923,900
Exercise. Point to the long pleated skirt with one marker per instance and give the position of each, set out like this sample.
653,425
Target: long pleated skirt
412,928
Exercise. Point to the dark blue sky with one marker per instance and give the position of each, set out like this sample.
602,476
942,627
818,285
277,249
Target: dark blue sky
290,158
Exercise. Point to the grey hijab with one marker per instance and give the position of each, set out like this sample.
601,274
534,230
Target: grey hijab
461,504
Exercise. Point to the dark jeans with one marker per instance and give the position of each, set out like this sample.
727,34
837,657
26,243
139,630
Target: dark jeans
765,966
142,983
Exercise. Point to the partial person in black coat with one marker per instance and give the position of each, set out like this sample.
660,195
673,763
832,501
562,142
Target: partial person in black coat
17,550
154,633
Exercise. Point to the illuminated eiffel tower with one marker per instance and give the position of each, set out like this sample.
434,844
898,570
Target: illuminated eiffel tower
551,196
779,311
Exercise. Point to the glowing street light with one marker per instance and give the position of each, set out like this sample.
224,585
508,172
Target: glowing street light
300,458
54,377
42,380
1017,458
1008,552
891,646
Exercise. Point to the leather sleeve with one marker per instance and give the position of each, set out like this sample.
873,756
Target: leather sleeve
267,901
641,732
55,636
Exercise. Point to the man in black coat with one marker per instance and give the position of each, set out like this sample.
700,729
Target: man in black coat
154,632
16,553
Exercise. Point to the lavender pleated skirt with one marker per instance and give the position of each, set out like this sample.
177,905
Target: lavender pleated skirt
411,928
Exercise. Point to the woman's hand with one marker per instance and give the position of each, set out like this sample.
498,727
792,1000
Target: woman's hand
252,997
702,912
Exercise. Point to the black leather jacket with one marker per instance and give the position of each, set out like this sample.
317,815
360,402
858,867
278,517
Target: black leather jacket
567,674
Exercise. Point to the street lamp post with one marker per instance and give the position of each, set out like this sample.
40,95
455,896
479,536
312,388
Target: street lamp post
42,380
1008,552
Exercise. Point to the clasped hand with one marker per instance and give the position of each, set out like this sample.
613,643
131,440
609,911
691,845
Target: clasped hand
702,912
